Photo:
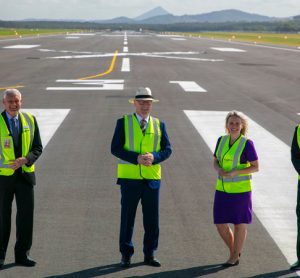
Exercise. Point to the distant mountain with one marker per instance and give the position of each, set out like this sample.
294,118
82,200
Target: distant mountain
117,20
217,17
158,11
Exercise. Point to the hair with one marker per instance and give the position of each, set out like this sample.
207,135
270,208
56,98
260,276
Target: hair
243,119
11,92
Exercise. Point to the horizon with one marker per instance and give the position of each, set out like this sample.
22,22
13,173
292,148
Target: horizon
101,10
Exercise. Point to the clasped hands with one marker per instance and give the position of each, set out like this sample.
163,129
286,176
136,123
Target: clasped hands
229,174
15,164
145,159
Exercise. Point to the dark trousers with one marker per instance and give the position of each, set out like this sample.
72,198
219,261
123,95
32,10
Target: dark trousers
10,187
298,221
131,194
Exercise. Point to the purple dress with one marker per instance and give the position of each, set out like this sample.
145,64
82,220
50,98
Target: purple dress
235,208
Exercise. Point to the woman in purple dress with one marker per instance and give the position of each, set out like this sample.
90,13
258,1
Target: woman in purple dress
235,159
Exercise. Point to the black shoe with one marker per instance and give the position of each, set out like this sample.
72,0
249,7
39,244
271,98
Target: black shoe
295,266
152,261
25,262
125,261
227,264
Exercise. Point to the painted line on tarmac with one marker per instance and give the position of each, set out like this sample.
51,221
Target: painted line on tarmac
228,49
110,69
125,49
189,86
49,121
178,39
125,65
100,85
22,46
274,186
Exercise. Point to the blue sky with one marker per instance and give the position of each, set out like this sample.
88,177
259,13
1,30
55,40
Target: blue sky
107,9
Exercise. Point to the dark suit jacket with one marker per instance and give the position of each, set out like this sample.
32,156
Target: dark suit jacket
33,155
295,152
117,149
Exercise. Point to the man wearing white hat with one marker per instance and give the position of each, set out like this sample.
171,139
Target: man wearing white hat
141,143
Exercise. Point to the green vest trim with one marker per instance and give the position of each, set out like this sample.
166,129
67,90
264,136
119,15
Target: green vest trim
7,145
229,159
140,143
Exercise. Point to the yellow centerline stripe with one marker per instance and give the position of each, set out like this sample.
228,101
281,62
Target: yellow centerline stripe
111,67
12,87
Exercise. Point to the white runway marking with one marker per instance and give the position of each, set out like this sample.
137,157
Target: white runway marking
166,55
100,85
178,39
125,49
125,42
228,49
72,37
82,34
125,65
22,46
189,86
274,186
49,121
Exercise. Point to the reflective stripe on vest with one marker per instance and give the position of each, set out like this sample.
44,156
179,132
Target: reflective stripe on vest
7,146
298,140
135,141
229,159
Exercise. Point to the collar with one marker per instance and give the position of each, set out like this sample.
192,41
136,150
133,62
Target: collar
9,117
140,118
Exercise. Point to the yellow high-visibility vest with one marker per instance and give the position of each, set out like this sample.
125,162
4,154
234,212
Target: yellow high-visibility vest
229,159
7,145
140,143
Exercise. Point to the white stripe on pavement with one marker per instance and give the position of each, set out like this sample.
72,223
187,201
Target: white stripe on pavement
189,86
274,186
49,121
125,65
228,49
125,49
22,46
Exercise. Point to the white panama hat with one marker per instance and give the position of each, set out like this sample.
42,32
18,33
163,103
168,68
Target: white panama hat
143,94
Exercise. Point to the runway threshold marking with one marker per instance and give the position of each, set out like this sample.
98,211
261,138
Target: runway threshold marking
228,49
110,69
189,86
49,121
274,186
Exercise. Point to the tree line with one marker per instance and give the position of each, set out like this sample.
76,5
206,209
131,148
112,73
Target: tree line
291,26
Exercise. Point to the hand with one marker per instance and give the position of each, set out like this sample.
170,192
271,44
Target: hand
146,159
229,174
16,164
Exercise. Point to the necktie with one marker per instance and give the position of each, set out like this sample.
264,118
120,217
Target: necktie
15,130
143,125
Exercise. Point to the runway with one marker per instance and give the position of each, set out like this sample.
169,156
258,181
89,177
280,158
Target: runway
78,85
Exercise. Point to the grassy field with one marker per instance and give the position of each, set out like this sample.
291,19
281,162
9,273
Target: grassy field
259,38
11,32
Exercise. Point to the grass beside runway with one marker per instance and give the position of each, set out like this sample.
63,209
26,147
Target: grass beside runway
12,32
291,39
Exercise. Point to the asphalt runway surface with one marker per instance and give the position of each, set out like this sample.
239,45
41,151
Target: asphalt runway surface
79,85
